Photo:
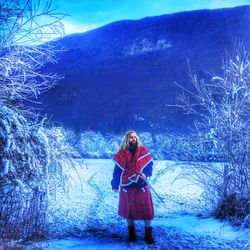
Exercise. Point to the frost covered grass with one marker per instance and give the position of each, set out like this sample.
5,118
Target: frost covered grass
86,215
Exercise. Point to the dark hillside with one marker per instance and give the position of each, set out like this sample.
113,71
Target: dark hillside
122,75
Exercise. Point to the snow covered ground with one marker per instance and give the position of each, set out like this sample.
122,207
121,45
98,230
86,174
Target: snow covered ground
86,218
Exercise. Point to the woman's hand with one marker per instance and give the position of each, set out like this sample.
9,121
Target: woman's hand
143,177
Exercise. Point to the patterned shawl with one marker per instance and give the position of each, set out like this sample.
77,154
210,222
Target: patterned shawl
132,165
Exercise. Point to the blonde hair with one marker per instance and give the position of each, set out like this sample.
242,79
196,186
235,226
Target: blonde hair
125,140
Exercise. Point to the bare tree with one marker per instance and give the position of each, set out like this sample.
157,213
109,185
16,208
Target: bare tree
24,26
223,105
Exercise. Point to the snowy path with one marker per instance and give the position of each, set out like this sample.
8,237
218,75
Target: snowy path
89,220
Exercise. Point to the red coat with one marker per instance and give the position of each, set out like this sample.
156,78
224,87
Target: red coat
132,165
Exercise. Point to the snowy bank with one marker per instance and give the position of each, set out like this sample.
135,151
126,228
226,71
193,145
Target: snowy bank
86,218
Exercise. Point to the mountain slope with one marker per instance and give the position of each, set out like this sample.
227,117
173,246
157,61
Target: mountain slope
122,75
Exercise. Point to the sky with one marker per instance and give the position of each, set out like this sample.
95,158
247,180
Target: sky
89,14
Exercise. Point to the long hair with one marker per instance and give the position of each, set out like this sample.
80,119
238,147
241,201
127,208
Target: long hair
125,140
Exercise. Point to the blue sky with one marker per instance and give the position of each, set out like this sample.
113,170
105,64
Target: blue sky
89,14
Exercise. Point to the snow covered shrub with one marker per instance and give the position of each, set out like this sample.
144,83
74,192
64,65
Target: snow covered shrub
60,152
92,143
234,208
95,145
23,171
178,147
223,104
194,147
146,138
63,162
24,158
113,144
31,175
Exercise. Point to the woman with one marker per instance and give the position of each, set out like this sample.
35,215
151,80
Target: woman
133,164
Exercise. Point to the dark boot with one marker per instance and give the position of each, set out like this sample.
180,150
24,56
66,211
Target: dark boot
131,233
148,235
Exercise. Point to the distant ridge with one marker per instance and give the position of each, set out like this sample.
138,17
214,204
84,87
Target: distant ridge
122,75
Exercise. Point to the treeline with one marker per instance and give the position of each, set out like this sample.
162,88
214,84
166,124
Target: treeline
163,146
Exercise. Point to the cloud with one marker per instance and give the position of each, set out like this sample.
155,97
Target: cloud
215,4
76,27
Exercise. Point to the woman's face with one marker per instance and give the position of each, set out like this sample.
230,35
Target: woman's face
132,139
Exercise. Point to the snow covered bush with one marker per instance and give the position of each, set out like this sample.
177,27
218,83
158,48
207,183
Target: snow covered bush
223,104
31,174
96,145
23,174
25,162
59,151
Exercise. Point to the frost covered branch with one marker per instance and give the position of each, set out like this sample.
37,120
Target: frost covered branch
24,26
223,105
28,22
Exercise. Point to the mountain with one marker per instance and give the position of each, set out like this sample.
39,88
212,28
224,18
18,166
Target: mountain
122,75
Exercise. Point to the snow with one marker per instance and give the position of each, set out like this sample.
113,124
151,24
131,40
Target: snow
145,46
85,217
205,226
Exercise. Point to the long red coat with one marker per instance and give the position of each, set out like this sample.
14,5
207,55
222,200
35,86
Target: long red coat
134,203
